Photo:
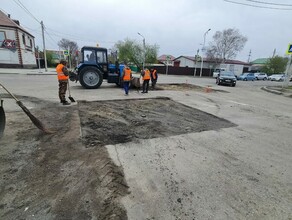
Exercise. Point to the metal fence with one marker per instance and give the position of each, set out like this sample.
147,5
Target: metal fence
185,71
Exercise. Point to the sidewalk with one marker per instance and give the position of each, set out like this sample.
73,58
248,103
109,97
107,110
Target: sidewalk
50,71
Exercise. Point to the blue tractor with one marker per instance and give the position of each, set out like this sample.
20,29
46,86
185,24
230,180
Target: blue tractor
94,68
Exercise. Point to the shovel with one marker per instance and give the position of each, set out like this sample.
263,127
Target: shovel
70,97
34,120
2,118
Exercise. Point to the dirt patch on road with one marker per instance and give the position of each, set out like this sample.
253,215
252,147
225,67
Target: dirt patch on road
187,87
120,121
68,174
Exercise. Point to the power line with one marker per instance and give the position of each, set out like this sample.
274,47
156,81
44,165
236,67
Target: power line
74,37
269,3
18,2
256,6
51,37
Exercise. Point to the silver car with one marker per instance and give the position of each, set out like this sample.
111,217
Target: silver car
261,76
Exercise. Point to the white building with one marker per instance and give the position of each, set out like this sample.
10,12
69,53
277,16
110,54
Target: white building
17,46
236,66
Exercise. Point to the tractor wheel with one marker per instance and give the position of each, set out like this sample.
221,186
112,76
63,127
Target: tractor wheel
91,77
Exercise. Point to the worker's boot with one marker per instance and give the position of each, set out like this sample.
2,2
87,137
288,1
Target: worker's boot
66,103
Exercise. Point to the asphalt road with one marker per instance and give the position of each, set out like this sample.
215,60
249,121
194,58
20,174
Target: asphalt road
242,172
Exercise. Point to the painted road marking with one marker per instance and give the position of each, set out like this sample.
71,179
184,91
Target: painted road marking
239,103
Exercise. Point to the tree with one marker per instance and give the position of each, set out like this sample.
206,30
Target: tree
72,46
66,44
275,64
50,61
131,51
226,45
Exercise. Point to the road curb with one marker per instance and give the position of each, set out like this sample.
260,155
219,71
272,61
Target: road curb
271,91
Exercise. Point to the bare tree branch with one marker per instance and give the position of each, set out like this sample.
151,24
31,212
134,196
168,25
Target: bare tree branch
226,45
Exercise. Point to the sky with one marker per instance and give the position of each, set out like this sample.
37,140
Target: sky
176,26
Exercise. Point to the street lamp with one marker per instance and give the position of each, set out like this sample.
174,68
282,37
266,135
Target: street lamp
144,47
202,50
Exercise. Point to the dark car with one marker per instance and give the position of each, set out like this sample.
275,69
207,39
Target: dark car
226,78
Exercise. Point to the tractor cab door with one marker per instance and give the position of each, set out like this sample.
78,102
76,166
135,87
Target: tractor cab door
101,60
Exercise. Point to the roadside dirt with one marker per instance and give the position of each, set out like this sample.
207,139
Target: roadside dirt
68,174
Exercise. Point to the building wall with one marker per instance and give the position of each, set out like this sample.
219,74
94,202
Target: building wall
23,56
237,69
190,63
8,56
186,62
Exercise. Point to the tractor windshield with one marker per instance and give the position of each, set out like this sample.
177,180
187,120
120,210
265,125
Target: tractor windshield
94,56
89,56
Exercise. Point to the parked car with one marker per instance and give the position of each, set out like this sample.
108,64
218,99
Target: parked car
246,77
261,76
217,72
226,78
276,77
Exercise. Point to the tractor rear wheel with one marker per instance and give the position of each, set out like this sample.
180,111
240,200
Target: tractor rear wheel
91,77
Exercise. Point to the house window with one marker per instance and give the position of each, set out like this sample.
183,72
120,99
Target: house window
2,37
23,39
30,42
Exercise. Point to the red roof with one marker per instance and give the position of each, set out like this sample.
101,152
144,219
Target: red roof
164,57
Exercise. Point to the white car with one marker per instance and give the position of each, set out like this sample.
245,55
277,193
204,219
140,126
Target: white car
261,76
276,77
217,72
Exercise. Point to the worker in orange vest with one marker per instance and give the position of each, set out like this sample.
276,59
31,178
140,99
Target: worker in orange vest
146,78
126,78
63,76
154,77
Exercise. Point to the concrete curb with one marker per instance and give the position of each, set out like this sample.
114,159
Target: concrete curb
271,91
286,94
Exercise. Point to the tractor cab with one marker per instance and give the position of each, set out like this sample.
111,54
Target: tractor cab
94,68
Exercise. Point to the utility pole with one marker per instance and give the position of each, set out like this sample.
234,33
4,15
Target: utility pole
274,53
288,73
44,45
196,57
144,47
249,55
202,59
69,57
167,59
39,63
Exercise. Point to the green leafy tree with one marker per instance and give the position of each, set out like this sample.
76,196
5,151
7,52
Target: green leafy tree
132,52
226,44
50,59
275,64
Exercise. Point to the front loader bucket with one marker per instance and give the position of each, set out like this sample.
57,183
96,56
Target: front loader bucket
2,119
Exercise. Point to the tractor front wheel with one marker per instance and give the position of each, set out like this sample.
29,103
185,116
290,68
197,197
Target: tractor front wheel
91,77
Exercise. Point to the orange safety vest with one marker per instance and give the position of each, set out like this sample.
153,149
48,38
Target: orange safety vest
61,75
154,74
127,75
146,75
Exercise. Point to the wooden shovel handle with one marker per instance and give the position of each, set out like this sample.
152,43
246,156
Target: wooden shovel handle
16,99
